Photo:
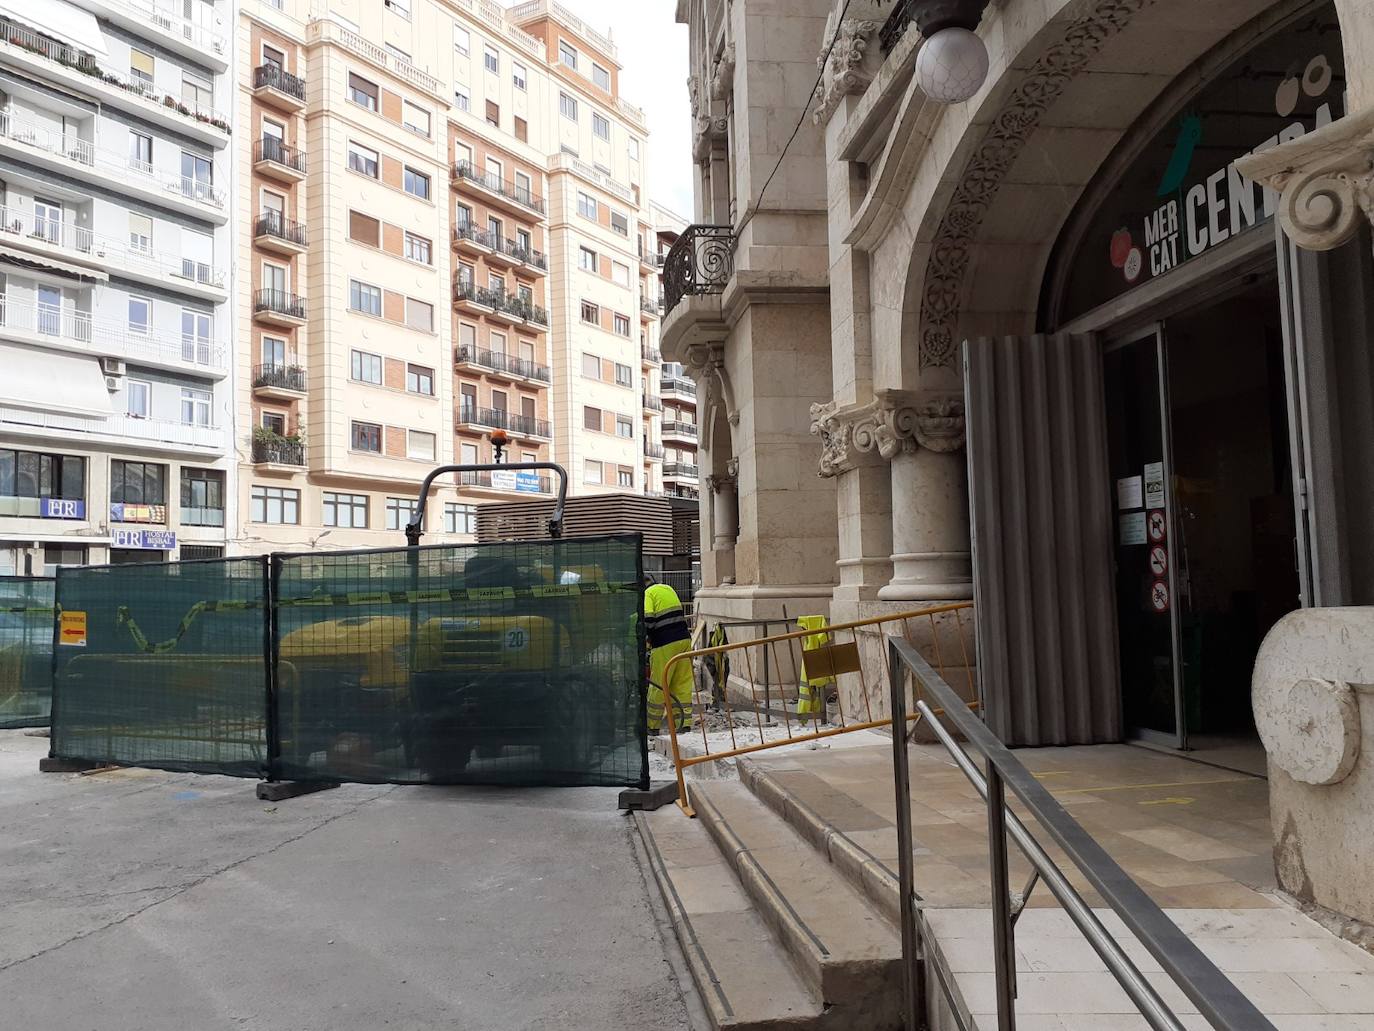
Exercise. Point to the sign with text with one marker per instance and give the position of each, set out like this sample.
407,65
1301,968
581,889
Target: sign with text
128,512
143,540
62,508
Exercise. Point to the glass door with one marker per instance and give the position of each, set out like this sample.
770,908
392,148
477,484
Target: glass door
1136,382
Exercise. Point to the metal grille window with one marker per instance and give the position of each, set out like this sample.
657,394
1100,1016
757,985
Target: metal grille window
367,368
601,126
202,497
345,511
31,474
460,518
138,483
365,298
419,380
280,505
362,92
417,183
367,436
399,512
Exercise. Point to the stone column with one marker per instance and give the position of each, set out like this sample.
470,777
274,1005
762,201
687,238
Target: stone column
863,499
724,521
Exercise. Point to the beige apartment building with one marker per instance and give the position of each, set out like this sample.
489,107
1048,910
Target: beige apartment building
445,231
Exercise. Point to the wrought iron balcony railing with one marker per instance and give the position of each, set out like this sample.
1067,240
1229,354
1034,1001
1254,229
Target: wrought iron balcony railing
672,384
485,479
653,404
274,223
275,450
500,419
498,361
269,148
701,262
679,429
650,306
681,470
653,450
508,303
271,76
283,377
650,354
281,302
522,195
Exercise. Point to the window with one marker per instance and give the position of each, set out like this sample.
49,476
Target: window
498,343
493,114
624,376
399,512
567,54
367,368
518,75
138,483
417,248
586,206
140,151
366,436
419,315
274,423
601,77
526,294
620,222
362,159
522,129
496,229
567,106
141,67
625,477
195,336
459,518
401,7
462,214
622,325
29,474
496,284
138,396
280,505
195,407
468,454
591,313
495,170
491,60
634,149
140,314
591,472
273,351
417,183
523,242
62,556
202,497
365,298
362,92
466,274
524,189
419,380
420,445
620,272
591,365
273,58
197,176
624,427
346,511
586,258
601,126
462,42
196,93
415,118
49,310
461,100
364,229
591,419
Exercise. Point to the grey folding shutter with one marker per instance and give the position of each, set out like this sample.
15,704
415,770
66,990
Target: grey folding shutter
1042,539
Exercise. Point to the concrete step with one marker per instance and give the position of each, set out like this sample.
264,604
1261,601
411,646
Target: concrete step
744,975
844,948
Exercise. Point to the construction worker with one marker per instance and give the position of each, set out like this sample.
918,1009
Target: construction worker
812,690
665,626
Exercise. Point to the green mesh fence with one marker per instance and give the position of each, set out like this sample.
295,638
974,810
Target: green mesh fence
26,628
503,664
163,665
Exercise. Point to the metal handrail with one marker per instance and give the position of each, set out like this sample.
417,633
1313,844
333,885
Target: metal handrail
1210,990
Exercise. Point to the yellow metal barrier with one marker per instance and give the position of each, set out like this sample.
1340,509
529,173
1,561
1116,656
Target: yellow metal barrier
837,659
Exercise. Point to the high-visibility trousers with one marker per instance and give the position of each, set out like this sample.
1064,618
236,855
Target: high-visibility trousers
811,690
679,691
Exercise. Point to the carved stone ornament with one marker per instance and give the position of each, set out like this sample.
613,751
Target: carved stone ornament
694,95
705,132
844,74
991,160
893,423
723,78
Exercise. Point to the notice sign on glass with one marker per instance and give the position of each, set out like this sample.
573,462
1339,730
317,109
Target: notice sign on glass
1132,528
1129,493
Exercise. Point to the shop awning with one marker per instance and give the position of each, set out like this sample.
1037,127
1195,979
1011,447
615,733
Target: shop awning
42,263
48,381
60,20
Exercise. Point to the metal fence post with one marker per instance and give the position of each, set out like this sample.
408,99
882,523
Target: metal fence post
271,580
1004,955
913,971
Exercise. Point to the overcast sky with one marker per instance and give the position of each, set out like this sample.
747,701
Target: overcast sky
653,53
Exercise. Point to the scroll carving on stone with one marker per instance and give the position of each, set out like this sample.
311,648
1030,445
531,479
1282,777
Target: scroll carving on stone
844,74
723,78
893,423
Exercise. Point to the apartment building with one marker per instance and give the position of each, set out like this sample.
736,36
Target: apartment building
675,389
115,398
438,240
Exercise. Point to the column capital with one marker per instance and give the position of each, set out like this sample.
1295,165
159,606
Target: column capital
1325,179
893,423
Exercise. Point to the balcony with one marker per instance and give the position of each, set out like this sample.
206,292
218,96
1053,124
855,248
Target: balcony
273,453
650,355
166,22
653,451
675,385
513,481
152,434
281,382
509,308
67,328
700,263
679,430
81,160
679,471
467,237
278,87
500,419
278,308
650,307
273,231
500,364
278,160
651,261
48,237
466,175
652,404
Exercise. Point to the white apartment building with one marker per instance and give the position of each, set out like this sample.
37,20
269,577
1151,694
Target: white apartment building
114,281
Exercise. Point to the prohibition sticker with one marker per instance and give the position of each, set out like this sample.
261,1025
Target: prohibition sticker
1159,560
1156,525
72,629
1159,596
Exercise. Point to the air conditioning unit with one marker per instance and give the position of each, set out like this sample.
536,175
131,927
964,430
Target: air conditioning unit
112,366
112,384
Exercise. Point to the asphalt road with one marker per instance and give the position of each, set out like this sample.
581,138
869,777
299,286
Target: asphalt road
145,901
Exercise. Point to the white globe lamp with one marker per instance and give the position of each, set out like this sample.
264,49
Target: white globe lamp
952,65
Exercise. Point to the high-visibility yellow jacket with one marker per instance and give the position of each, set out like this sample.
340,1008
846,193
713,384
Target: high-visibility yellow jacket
819,638
665,626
